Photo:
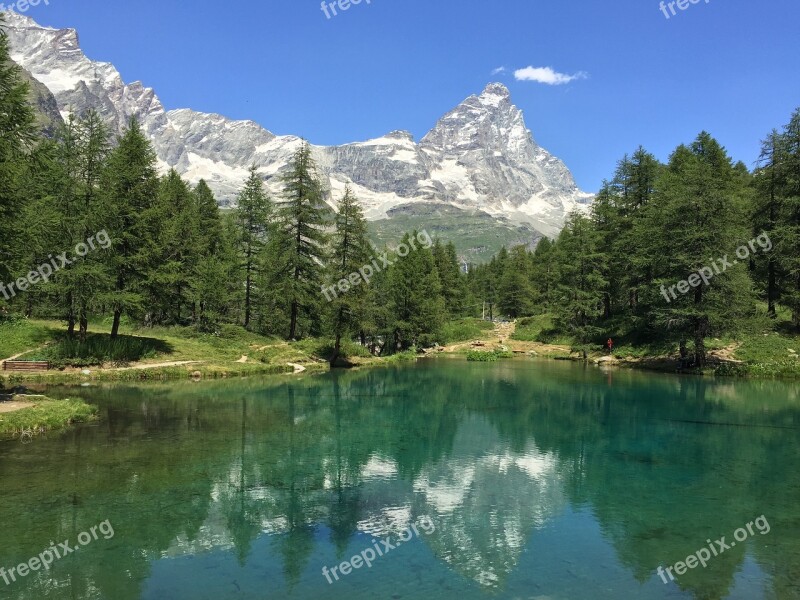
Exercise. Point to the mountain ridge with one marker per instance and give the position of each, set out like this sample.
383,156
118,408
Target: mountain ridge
478,156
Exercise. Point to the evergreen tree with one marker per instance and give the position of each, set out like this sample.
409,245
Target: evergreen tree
351,252
17,137
209,221
698,216
451,278
216,275
174,252
417,303
216,286
581,285
788,234
768,206
301,241
131,185
544,273
90,273
252,217
515,288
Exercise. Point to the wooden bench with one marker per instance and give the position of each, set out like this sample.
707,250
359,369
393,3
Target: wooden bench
25,365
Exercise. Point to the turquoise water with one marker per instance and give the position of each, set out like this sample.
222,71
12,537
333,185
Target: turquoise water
524,479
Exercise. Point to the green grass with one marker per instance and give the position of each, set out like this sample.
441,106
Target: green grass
464,330
19,335
482,356
45,415
540,328
216,354
767,355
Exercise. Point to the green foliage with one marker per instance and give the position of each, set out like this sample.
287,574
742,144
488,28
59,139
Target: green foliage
299,248
17,138
252,224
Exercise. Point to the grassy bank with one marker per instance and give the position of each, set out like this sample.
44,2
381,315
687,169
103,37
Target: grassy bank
149,354
44,415
763,348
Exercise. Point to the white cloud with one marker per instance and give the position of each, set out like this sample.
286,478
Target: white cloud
546,75
499,70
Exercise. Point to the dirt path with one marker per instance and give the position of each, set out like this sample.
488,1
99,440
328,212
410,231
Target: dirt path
726,354
501,336
16,356
501,333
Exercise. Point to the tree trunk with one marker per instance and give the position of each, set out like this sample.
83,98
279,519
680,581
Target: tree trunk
293,324
771,288
796,309
115,325
700,333
247,300
84,324
70,316
336,349
606,305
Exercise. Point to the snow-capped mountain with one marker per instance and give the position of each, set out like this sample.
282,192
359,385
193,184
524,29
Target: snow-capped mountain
480,157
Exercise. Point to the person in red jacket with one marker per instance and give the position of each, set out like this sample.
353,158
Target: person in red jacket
610,345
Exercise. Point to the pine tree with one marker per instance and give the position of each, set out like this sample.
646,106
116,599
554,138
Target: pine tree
581,285
17,138
768,206
698,217
215,279
131,185
515,288
69,207
209,223
351,252
91,274
788,234
216,286
174,252
417,303
252,217
301,240
453,284
543,273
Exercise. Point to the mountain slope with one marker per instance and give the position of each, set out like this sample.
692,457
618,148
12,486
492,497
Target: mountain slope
479,157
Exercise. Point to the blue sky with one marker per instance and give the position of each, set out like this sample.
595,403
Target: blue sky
731,67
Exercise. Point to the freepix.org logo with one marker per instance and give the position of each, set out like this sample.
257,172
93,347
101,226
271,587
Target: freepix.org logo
22,6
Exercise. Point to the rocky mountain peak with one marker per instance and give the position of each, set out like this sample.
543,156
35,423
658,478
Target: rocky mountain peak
479,156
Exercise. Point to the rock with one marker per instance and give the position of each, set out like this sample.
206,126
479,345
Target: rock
197,375
86,372
605,360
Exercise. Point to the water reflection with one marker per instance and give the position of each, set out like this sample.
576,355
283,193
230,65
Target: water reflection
542,480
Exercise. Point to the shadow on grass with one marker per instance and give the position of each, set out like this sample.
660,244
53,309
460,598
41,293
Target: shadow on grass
99,348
